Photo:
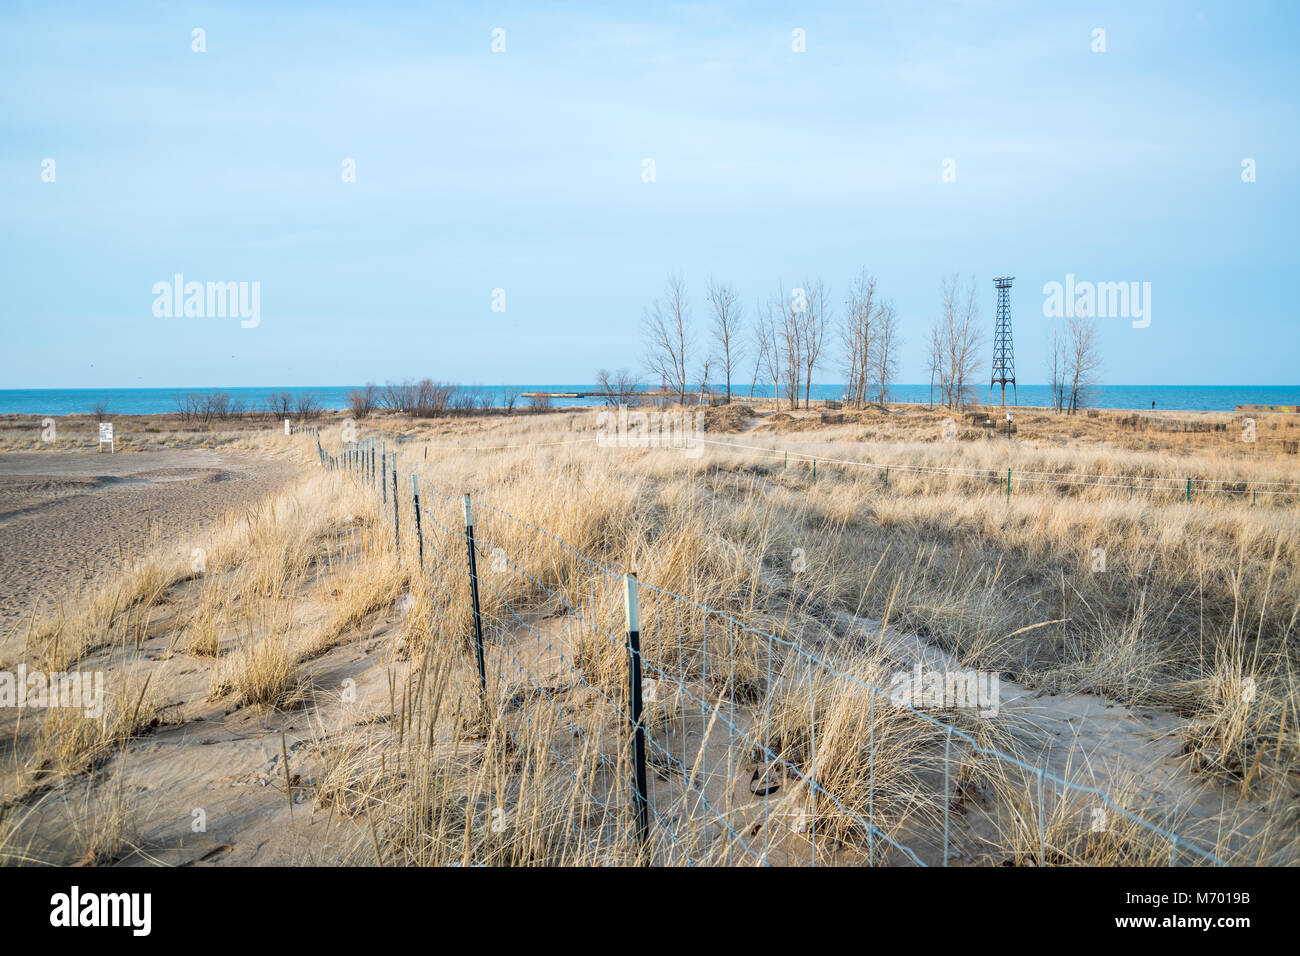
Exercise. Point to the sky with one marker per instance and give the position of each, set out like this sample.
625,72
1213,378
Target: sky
914,140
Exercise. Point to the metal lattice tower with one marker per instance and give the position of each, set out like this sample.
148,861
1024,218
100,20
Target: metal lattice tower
1004,353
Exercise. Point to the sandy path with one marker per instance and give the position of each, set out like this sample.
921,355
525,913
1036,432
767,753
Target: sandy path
63,515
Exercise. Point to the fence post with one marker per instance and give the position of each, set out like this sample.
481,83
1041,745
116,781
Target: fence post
473,592
632,606
397,531
419,536
1189,489
1008,484
383,469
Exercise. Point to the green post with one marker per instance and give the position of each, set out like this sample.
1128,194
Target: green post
1008,484
886,475
814,469
1189,489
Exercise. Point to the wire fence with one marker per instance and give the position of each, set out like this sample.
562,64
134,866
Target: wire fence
694,734
1185,487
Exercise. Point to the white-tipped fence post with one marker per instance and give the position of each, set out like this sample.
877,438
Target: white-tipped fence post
632,606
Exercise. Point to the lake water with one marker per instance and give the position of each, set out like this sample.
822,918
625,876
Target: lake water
141,401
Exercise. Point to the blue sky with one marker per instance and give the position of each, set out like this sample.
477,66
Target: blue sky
522,170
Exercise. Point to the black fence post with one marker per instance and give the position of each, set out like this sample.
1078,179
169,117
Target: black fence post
473,590
383,470
419,535
633,609
397,531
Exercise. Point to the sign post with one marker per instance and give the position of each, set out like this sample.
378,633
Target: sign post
286,426
106,436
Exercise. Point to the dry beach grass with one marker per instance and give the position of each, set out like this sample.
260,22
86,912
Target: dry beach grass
313,689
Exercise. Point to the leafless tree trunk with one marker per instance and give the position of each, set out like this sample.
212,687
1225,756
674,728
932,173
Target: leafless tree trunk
858,334
887,341
1083,357
936,362
813,333
760,350
790,343
704,378
774,323
668,336
1056,366
958,339
727,328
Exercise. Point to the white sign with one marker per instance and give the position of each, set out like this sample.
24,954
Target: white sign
106,435
286,426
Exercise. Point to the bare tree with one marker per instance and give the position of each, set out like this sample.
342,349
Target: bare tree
727,328
812,332
770,321
704,378
509,399
216,406
617,388
935,360
280,404
858,335
669,337
539,401
429,399
957,340
1056,368
465,400
1083,358
361,401
307,406
887,342
398,397
760,343
187,406
100,408
790,341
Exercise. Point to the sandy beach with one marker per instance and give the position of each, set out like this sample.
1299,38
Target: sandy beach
65,517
